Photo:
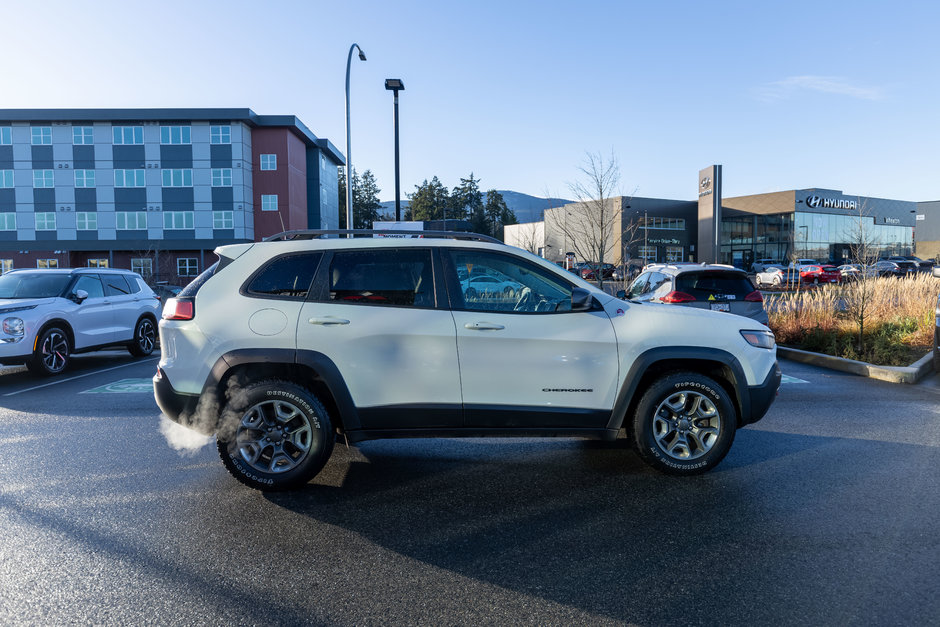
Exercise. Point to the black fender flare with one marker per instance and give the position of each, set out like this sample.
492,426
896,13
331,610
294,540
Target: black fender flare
647,359
326,370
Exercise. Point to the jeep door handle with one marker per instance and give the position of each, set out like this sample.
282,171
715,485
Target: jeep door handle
483,326
328,321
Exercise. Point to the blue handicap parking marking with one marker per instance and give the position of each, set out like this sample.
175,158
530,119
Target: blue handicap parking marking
124,386
789,379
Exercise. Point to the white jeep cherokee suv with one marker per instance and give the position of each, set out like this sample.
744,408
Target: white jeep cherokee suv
284,344
48,315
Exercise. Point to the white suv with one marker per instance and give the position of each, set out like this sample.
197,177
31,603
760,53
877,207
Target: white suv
286,343
48,315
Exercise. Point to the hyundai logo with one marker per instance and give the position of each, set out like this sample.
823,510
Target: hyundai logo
706,182
813,201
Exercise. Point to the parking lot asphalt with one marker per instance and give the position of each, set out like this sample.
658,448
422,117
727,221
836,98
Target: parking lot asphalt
825,512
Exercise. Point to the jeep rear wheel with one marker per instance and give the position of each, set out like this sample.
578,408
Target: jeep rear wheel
52,353
277,436
684,424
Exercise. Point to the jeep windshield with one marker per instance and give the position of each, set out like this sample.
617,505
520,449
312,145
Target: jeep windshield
33,285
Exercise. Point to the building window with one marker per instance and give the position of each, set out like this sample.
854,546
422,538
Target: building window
175,220
674,254
5,265
648,253
130,220
41,135
220,134
268,202
187,266
178,178
45,221
269,162
83,135
123,135
130,178
6,178
223,220
43,178
84,178
663,224
47,263
7,221
175,135
221,177
97,263
86,221
142,266
6,135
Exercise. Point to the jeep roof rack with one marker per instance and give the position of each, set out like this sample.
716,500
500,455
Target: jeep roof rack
321,233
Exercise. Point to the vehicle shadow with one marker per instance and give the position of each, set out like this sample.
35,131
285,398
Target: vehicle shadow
575,524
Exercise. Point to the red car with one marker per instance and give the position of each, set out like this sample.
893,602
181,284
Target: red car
820,274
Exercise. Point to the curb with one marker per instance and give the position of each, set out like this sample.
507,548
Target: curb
893,374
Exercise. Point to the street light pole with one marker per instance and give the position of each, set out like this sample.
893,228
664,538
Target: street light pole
395,85
349,172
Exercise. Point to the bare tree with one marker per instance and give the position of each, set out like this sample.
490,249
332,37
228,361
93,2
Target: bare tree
592,225
863,251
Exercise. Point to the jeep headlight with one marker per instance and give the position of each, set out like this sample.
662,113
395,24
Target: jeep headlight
13,326
760,339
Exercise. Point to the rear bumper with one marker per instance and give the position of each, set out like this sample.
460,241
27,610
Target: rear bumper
178,407
762,396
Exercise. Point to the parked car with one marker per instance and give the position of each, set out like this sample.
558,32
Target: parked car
702,286
884,267
488,286
589,271
165,292
816,274
762,265
923,265
936,332
49,315
850,272
777,276
287,343
799,263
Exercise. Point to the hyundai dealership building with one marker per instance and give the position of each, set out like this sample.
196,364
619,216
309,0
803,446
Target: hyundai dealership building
816,223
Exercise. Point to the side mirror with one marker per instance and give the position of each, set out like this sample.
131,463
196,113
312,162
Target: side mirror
581,299
622,294
79,296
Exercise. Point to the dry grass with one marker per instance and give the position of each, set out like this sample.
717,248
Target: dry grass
899,318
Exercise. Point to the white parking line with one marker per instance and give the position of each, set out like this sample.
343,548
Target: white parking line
87,374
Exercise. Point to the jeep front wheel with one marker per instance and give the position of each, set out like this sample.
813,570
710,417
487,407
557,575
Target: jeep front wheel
684,424
275,436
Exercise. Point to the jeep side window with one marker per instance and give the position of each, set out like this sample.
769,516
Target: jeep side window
402,277
503,283
285,277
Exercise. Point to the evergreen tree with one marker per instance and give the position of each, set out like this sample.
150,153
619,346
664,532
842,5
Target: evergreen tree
465,199
428,202
497,213
365,194
341,185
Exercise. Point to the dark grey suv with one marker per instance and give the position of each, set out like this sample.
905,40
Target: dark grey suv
704,286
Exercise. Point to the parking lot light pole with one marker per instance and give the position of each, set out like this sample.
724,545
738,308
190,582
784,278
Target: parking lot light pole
395,85
349,174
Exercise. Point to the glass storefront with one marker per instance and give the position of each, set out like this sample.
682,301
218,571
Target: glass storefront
820,236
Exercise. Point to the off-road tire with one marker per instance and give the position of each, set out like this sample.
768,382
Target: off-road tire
52,354
265,452
145,338
691,413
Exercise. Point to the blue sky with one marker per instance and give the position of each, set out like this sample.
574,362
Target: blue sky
841,95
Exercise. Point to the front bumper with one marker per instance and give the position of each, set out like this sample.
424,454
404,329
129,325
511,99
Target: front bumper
762,396
181,408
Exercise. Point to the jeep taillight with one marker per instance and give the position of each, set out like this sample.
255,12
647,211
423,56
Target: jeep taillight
179,309
678,297
754,297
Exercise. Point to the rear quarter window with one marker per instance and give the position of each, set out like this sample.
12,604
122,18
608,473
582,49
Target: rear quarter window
286,277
